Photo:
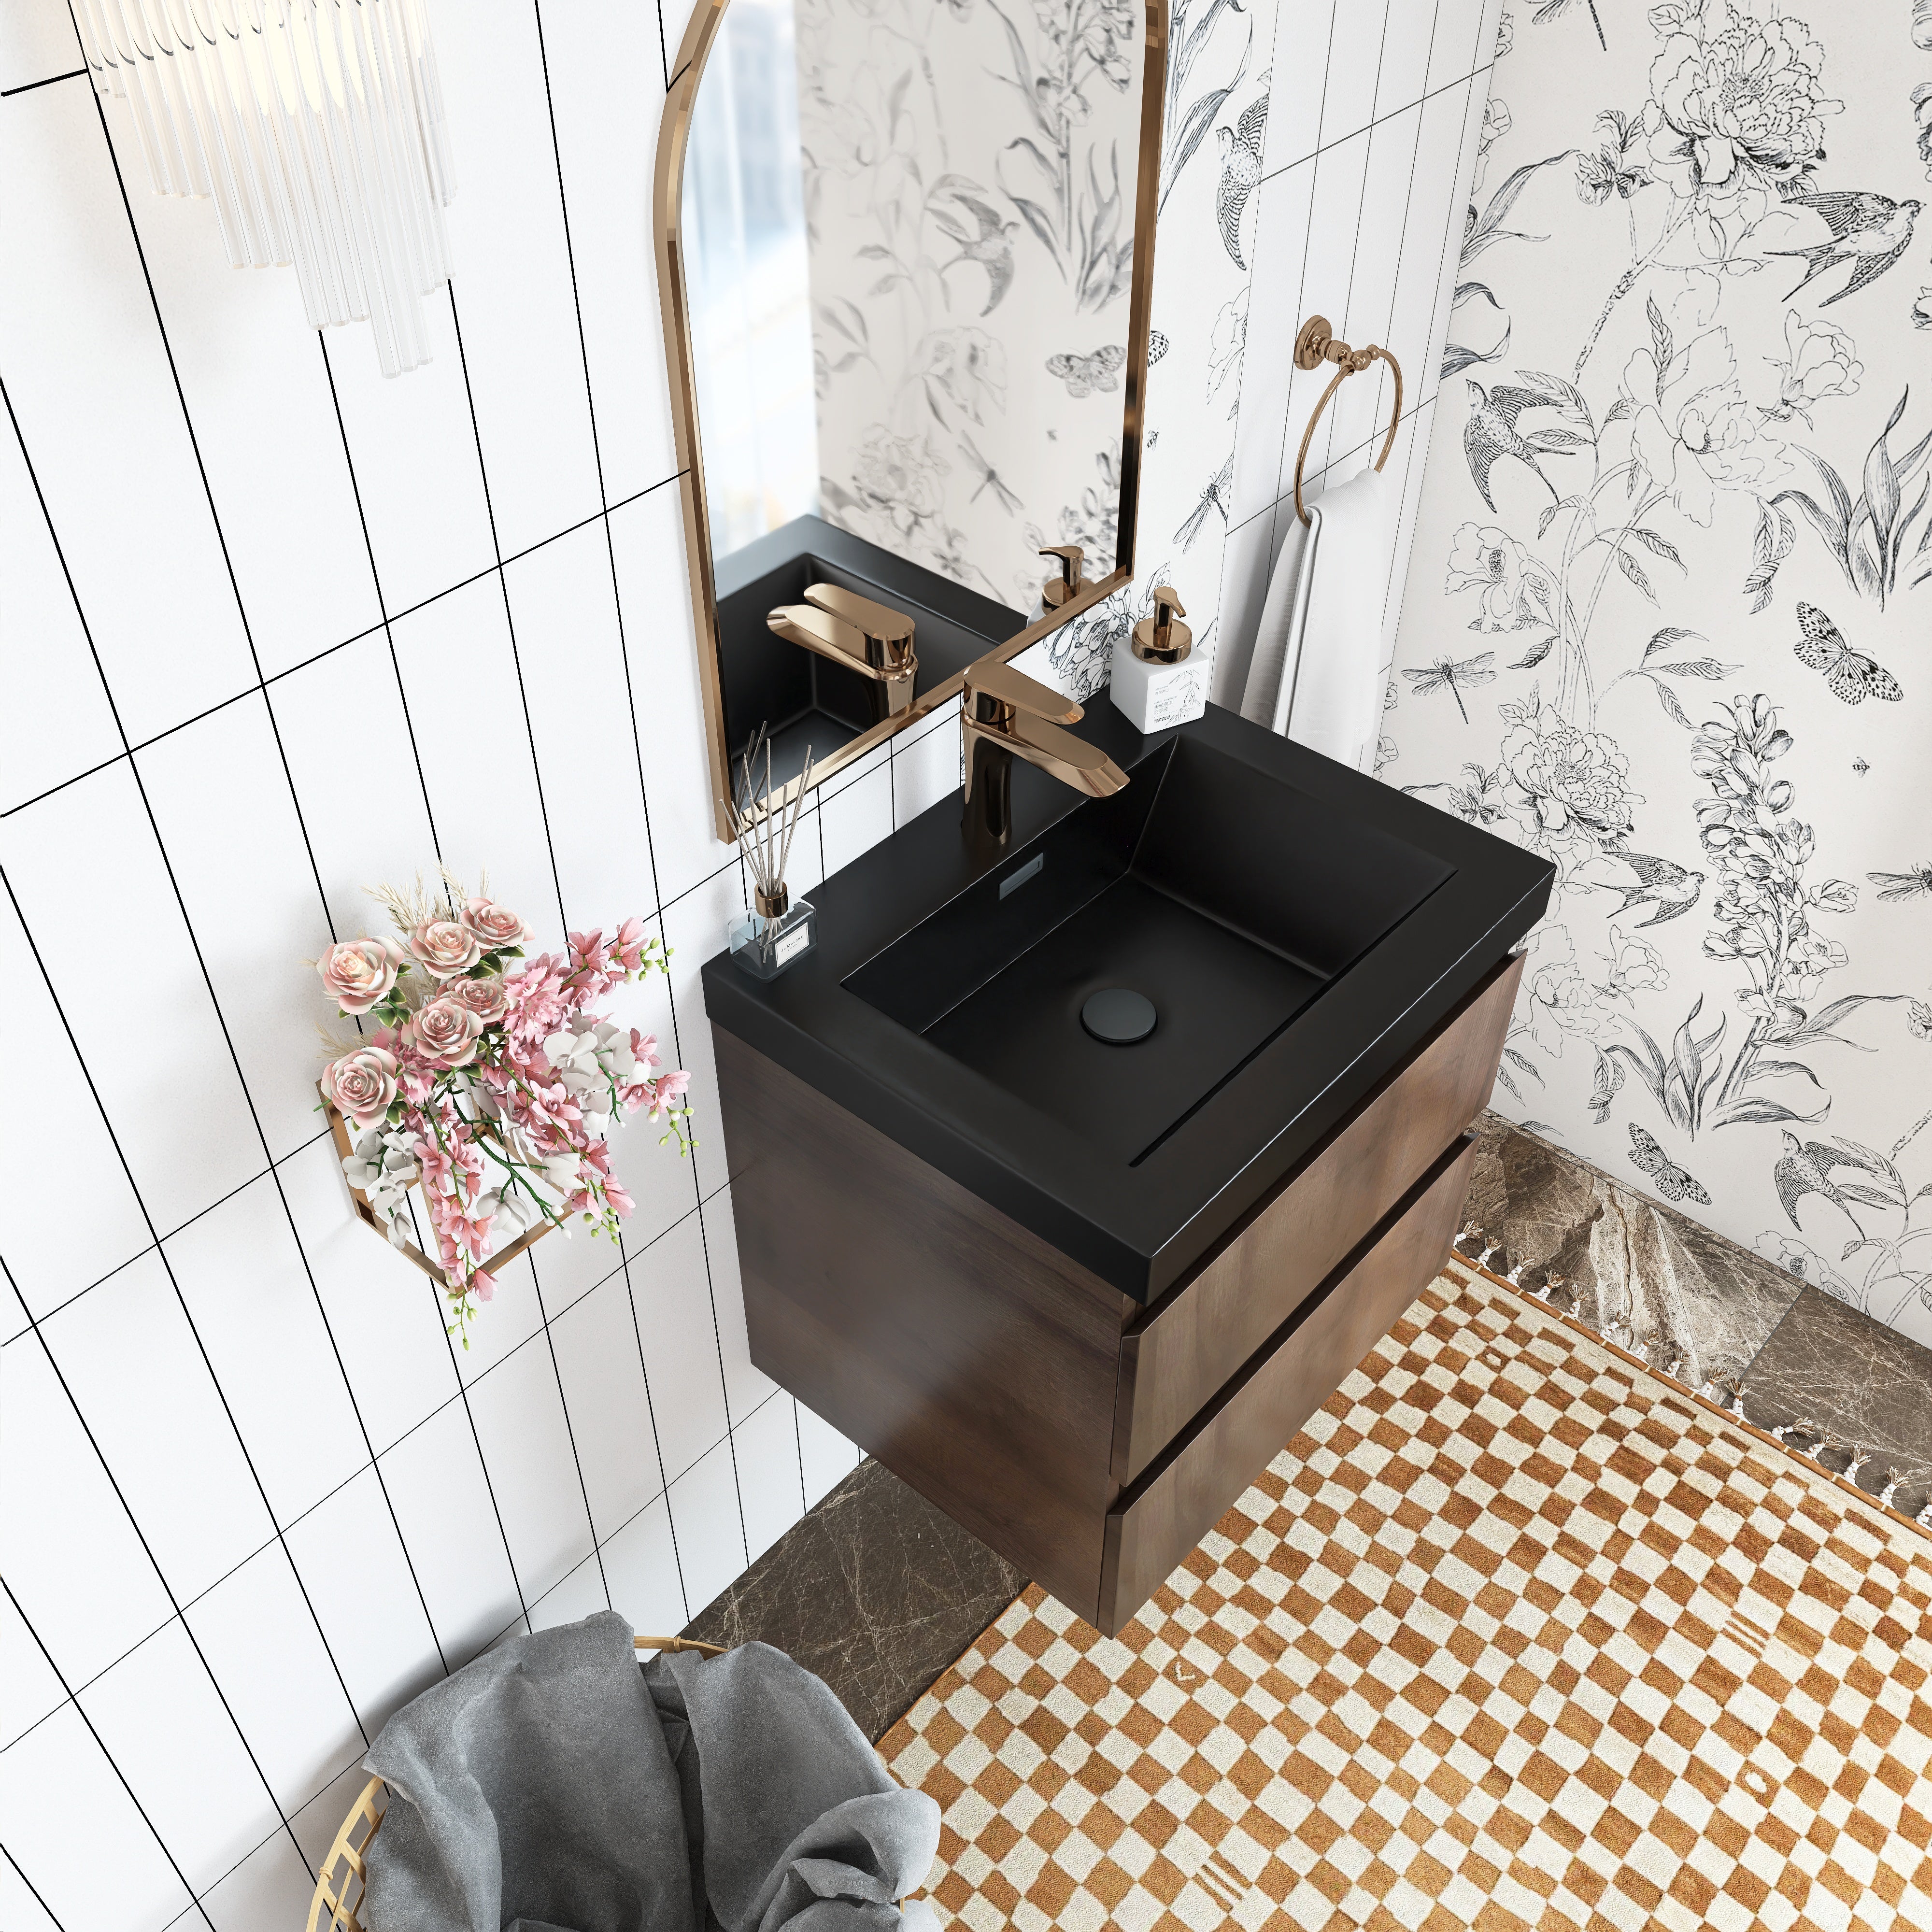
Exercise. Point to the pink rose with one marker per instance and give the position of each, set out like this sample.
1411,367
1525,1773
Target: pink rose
444,1033
443,949
493,924
360,972
485,998
361,1084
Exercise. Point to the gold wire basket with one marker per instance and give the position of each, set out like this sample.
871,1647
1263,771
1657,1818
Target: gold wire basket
344,1875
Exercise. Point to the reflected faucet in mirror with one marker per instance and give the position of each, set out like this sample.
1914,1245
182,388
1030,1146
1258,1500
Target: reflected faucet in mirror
1004,715
872,639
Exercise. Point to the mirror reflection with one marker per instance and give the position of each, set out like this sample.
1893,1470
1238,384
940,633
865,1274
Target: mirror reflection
908,232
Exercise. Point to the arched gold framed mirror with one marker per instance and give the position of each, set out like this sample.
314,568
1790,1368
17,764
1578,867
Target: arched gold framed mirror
904,451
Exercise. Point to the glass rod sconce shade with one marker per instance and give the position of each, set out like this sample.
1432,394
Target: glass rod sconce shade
317,128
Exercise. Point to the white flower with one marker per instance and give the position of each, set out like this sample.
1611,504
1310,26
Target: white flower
1635,967
1695,433
1819,361
1516,589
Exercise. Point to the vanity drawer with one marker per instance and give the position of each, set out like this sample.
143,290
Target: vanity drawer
1184,1348
1153,1526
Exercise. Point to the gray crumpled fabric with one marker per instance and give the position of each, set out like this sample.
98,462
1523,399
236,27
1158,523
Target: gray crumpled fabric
551,1785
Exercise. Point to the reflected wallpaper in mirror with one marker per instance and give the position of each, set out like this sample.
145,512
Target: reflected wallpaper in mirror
911,238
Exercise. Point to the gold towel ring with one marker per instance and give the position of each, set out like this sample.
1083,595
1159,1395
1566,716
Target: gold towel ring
1317,344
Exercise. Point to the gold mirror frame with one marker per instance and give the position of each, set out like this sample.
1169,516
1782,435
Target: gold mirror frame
668,198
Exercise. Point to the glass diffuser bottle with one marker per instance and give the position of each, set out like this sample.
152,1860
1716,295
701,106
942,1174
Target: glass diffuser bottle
775,933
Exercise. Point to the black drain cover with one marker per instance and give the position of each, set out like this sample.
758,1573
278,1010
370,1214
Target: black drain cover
1118,1016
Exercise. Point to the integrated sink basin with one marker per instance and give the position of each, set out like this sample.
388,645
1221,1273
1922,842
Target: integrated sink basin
1070,1178
1228,900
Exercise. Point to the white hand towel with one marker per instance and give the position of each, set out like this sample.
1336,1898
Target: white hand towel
1316,674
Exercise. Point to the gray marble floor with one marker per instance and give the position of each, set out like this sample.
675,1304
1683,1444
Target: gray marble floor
1834,1383
874,1590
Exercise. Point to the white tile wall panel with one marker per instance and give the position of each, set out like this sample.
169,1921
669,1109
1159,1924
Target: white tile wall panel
74,1562
111,450
242,1274
527,1448
600,1361
30,1687
672,1299
1355,60
441,1499
13,1318
236,847
1462,44
1340,173
383,1314
654,593
80,1839
1486,34
855,819
580,1594
461,682
564,606
926,770
271,1888
355,1574
745,1387
1435,219
694,929
1245,565
52,1255
1409,37
240,346
316,1825
515,303
346,735
704,1515
825,1457
60,722
259,1634
127,1352
1364,401
771,1483
607,131
1285,203
1304,32
641,1570
413,448
37,42
19,1909
520,1308
160,1717
169,1084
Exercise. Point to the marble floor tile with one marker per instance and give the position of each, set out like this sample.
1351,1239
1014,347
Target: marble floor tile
1846,1389
1652,1281
874,1590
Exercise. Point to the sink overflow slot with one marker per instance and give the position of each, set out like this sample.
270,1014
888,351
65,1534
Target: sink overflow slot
1030,870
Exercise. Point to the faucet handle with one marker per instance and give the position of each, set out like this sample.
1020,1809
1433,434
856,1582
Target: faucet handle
879,621
1059,589
1006,685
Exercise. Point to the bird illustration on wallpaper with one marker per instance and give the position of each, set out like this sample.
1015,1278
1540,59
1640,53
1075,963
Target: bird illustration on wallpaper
1656,436
1240,169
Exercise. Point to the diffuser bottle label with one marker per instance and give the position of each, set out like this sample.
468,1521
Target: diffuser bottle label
792,944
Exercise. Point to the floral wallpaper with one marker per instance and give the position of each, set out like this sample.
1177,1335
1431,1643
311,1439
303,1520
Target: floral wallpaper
1668,617
970,185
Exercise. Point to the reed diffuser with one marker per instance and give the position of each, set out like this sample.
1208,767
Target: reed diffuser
774,933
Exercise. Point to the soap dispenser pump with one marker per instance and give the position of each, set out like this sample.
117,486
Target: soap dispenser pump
1157,681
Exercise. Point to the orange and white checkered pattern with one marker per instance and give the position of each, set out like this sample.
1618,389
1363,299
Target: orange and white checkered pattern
1513,1634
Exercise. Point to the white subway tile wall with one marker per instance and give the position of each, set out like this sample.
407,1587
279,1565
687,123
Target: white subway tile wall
276,629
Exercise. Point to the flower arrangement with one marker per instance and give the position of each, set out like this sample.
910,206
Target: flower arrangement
492,1089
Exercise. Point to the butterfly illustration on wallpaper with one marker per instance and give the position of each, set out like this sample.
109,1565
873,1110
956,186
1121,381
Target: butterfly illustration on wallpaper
1083,374
1672,1182
1849,674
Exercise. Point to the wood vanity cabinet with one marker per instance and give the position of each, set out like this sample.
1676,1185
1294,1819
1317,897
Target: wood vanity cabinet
1090,1439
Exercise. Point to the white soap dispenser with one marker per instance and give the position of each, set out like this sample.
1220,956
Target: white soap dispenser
1157,682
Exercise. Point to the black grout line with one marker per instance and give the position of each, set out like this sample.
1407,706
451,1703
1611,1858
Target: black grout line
28,87
51,1920
194,1903
1368,126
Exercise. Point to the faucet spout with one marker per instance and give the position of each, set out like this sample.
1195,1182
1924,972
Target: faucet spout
871,640
1005,715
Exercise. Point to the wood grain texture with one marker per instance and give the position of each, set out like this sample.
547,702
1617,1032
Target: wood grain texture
974,1360
1179,1352
1153,1526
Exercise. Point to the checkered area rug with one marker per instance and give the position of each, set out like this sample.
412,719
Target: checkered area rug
1513,1634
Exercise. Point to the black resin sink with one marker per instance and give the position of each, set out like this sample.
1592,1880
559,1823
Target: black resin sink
1229,900
1299,928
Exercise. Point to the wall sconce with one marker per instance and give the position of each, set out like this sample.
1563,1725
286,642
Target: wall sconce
317,128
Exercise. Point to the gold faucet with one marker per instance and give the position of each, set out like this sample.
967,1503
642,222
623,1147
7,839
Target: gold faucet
1004,715
871,639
